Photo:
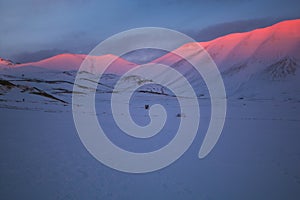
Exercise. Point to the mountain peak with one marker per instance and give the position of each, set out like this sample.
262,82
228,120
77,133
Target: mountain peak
264,44
68,61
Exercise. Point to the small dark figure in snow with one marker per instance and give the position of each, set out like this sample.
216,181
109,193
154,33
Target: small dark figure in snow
146,106
23,100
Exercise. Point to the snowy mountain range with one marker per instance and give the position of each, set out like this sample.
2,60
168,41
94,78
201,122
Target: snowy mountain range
260,64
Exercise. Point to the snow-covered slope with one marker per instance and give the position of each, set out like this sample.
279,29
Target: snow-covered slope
73,61
262,57
264,45
42,156
260,64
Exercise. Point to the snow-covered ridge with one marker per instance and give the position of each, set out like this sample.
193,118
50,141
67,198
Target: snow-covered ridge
69,61
261,45
260,64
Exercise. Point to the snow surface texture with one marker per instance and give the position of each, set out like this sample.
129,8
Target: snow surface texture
257,156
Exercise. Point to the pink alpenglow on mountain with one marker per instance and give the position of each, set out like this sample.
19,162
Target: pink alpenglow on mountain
73,62
261,46
265,44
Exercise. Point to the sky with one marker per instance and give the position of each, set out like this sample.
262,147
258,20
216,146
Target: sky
31,30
